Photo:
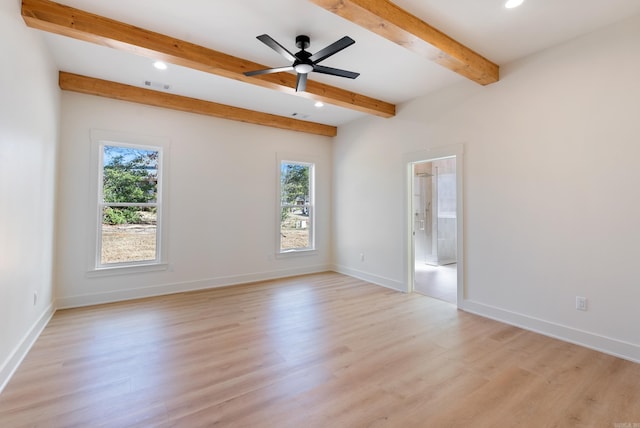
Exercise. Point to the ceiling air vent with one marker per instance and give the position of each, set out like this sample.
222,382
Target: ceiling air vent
157,85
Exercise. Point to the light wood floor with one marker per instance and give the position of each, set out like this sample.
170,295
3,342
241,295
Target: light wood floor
322,350
439,282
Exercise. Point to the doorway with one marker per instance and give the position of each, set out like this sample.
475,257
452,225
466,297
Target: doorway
434,224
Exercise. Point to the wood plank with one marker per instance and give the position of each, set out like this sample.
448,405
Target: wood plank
399,26
312,351
119,91
67,21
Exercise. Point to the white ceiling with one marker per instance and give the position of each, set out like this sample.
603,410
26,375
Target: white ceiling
388,71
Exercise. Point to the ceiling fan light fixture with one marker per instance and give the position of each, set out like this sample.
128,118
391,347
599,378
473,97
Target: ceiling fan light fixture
510,4
303,68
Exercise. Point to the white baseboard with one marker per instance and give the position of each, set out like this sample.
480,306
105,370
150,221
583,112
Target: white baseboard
374,279
181,287
12,363
607,345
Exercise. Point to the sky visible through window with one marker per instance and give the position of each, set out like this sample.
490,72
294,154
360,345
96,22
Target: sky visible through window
128,154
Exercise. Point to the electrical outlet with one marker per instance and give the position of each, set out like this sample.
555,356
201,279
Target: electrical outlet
361,257
581,303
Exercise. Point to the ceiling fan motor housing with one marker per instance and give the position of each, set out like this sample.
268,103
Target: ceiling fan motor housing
302,63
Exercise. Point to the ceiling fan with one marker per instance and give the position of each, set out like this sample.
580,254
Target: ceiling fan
305,62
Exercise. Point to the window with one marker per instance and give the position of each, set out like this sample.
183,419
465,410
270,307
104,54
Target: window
296,207
129,205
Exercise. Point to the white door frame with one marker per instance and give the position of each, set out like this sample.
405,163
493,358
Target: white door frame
408,256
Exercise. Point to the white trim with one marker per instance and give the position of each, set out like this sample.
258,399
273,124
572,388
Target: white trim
374,279
180,287
311,162
102,145
607,345
127,270
429,155
14,360
304,252
99,138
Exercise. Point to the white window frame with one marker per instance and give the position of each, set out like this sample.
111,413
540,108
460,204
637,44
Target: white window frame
311,205
100,139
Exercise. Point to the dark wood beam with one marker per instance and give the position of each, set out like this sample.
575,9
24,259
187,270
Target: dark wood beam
399,26
67,21
119,91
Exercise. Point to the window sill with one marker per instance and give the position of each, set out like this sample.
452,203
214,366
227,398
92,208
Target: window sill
296,253
127,270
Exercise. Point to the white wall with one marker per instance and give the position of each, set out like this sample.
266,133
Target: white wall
29,114
221,198
551,183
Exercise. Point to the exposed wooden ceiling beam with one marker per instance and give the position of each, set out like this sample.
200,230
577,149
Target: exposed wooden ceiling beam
67,21
119,91
399,26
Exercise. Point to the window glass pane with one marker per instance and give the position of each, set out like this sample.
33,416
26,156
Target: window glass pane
296,216
128,234
294,228
130,175
294,183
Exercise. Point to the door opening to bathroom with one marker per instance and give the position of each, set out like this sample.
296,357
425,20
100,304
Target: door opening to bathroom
434,213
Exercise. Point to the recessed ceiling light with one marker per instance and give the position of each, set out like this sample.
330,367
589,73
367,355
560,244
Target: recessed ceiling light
319,104
510,4
160,65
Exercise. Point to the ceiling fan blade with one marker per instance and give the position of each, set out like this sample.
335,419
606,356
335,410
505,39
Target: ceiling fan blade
301,83
267,40
268,71
335,71
333,48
